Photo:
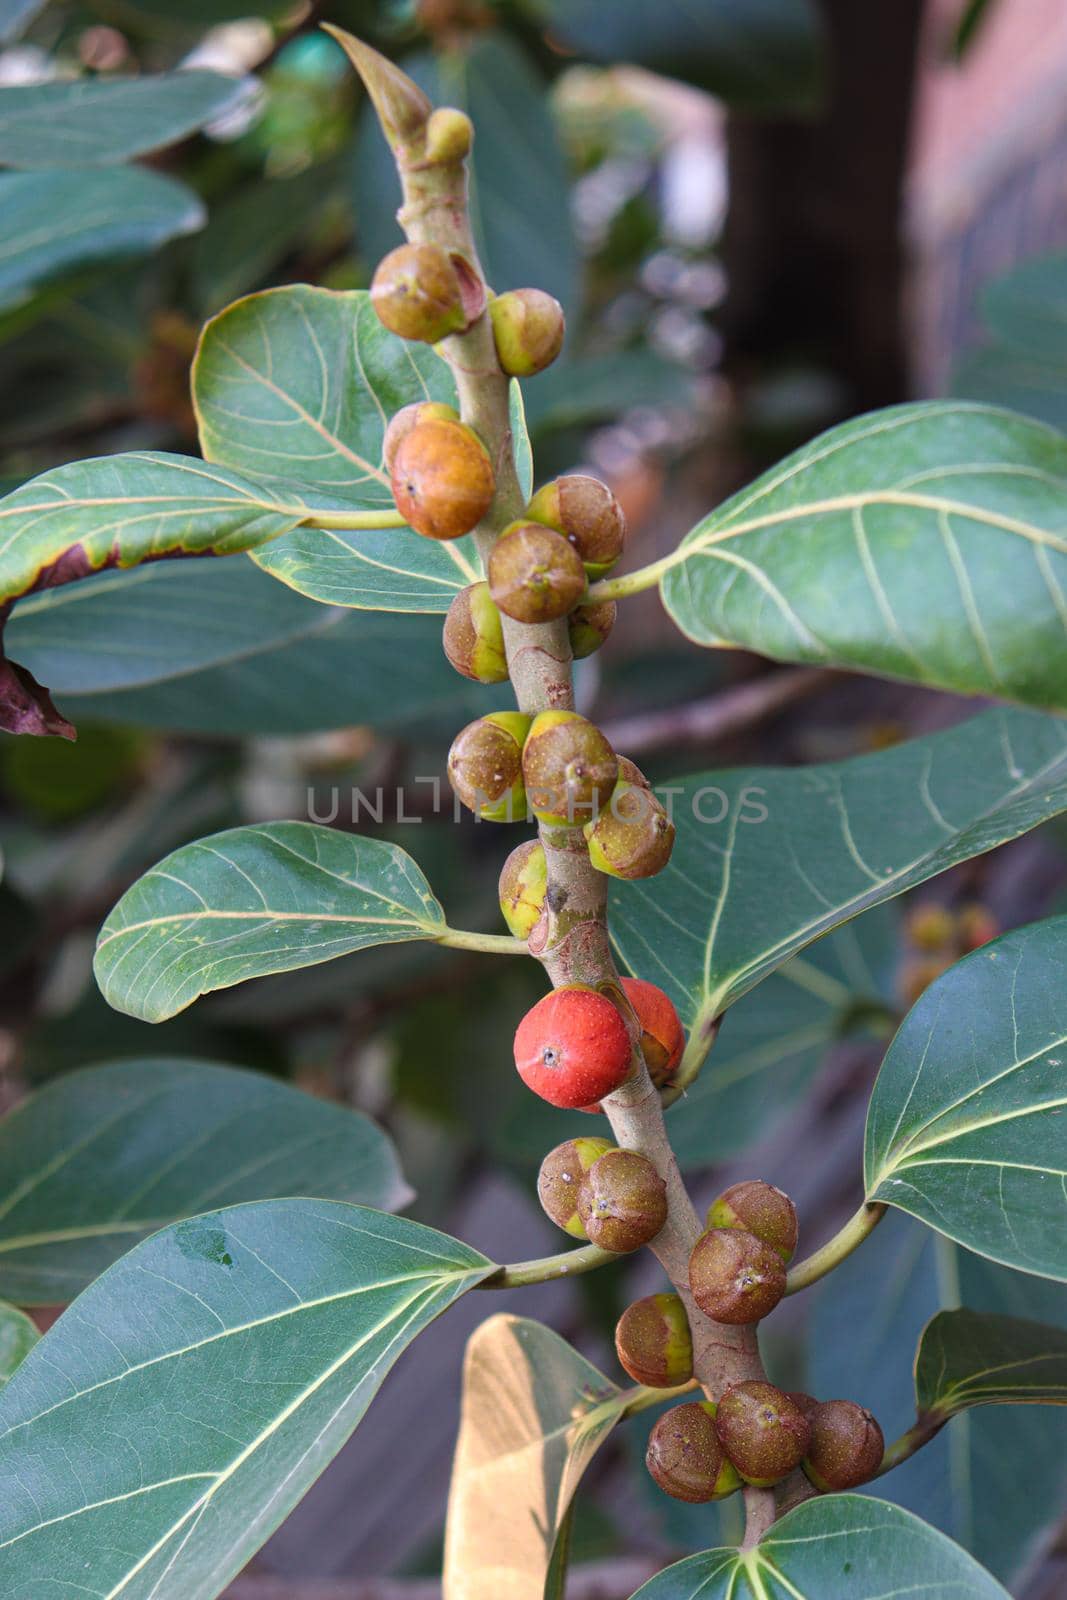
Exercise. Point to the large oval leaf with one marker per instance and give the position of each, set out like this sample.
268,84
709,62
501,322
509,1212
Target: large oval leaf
102,1157
966,1126
534,1414
117,511
251,901
768,859
975,1358
55,222
995,1479
219,648
92,122
300,383
926,542
837,1547
178,1410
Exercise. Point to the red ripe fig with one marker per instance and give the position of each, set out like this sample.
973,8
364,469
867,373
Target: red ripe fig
572,1047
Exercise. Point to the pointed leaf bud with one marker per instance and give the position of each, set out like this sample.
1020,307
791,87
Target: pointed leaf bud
402,107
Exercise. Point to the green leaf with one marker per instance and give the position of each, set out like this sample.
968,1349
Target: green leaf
300,383
758,54
965,1125
972,1358
158,621
534,1413
251,901
57,222
768,859
925,543
94,122
773,1042
219,648
101,1157
995,1479
116,511
1025,363
181,1407
519,186
18,1335
836,1547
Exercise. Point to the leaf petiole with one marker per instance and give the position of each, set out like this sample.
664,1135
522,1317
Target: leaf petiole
835,1250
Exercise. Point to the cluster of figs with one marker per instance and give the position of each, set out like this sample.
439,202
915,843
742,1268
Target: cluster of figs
754,1432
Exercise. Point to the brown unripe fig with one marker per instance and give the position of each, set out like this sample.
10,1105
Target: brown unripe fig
805,1402
587,514
846,1446
685,1457
534,575
523,887
623,1201
485,766
762,1431
442,479
528,329
473,637
408,417
633,836
449,136
589,626
418,293
762,1209
734,1276
653,1342
562,1174
569,768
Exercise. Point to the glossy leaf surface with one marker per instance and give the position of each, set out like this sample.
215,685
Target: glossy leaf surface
252,901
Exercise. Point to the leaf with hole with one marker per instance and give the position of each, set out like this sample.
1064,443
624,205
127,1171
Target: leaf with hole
252,901
534,1413
766,860
927,542
975,1358
836,1547
99,121
102,1157
966,1126
185,1402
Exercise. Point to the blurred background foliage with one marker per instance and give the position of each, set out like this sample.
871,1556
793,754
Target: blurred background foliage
723,197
